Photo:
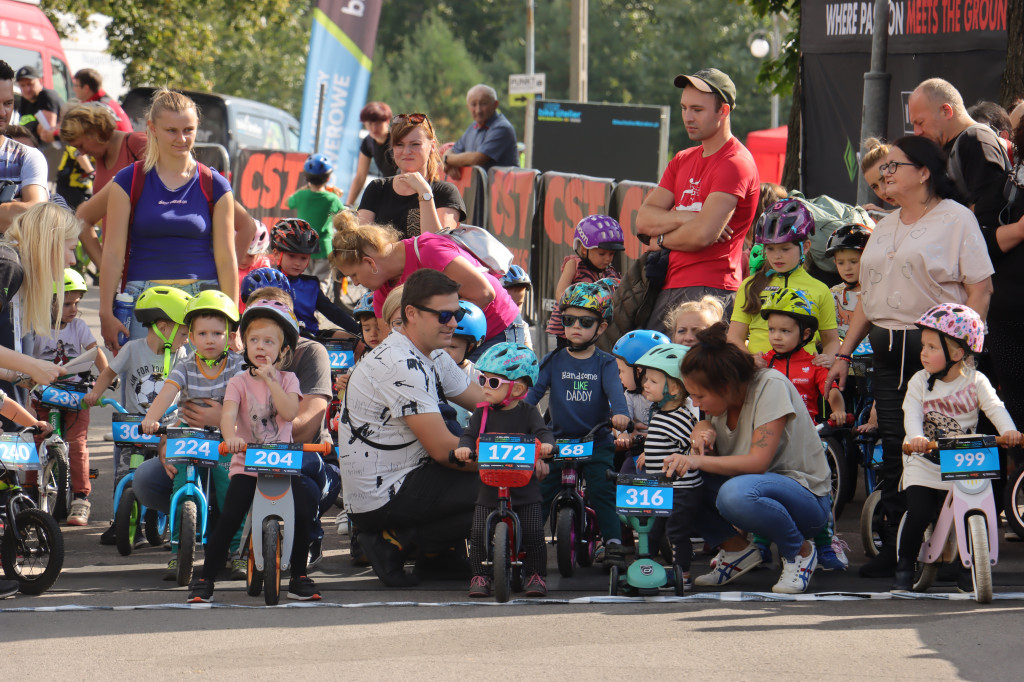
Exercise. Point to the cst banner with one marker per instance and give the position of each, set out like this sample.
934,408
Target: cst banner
472,184
626,201
341,57
963,41
264,180
510,215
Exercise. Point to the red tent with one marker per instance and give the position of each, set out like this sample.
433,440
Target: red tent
769,150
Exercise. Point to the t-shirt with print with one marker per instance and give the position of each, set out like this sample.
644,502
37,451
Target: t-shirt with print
907,269
823,306
691,178
436,252
392,381
583,393
69,343
845,299
403,212
172,231
950,408
668,434
196,381
22,164
258,419
141,372
584,273
808,378
311,364
770,395
317,208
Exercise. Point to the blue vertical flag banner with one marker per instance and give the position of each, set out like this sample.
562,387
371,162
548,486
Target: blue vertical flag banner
341,57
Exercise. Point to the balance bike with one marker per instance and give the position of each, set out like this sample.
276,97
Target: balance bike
968,522
190,504
272,517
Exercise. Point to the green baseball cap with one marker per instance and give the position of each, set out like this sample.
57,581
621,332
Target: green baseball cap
710,80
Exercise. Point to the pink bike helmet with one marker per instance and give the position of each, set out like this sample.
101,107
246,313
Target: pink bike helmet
260,241
958,322
787,221
274,310
598,232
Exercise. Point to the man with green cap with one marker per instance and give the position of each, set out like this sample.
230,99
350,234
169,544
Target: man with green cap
703,207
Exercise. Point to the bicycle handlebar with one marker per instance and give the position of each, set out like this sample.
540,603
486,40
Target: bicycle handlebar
934,445
319,448
452,459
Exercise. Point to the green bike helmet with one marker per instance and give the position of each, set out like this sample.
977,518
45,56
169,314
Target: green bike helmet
211,301
161,303
794,304
73,281
667,359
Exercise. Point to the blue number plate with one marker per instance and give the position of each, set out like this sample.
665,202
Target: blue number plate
273,458
17,452
507,451
56,396
194,444
574,448
864,348
340,356
126,430
970,457
637,495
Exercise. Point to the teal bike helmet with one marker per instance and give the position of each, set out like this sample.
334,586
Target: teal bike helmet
665,358
510,360
473,324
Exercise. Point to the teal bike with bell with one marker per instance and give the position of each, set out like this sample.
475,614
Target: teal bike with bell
190,505
639,501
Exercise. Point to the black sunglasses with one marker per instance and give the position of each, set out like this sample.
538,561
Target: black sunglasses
585,321
443,316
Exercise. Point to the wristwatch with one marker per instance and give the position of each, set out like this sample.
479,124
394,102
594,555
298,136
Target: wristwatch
427,196
661,239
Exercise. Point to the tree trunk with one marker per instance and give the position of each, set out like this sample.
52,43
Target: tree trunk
1013,76
792,169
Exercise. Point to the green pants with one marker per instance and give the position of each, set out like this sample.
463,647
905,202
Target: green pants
218,491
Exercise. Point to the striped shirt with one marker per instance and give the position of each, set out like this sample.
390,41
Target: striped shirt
668,434
196,381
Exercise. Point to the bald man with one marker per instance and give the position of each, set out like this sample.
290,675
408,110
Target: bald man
490,141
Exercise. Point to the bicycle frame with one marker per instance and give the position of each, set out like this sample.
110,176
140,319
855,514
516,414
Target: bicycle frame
571,494
966,498
190,489
273,500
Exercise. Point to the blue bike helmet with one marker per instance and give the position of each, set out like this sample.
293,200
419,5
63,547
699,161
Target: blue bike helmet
365,306
318,164
633,345
473,325
265,277
516,277
510,360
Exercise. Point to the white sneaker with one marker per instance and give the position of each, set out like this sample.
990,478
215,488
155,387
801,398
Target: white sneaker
797,573
727,566
78,514
341,523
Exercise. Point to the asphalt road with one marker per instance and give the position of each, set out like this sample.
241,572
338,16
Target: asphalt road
363,629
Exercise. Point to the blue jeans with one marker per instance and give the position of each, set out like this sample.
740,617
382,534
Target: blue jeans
135,288
516,332
776,507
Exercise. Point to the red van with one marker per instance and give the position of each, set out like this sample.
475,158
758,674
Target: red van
27,38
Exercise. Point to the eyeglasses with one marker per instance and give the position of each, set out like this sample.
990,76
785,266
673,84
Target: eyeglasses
893,166
443,316
492,382
585,321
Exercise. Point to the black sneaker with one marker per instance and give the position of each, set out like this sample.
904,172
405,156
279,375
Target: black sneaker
109,536
316,554
200,591
303,588
355,550
387,560
965,580
9,588
882,566
904,581
614,555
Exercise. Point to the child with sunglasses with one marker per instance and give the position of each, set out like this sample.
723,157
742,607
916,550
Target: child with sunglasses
507,371
585,390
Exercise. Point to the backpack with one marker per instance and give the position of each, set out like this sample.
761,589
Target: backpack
634,298
484,246
135,193
829,215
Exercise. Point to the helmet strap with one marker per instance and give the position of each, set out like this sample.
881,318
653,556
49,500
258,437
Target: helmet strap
638,379
591,342
167,341
950,363
771,273
213,362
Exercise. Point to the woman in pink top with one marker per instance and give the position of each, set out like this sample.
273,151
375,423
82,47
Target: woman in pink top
375,257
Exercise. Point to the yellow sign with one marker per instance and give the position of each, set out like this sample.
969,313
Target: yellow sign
521,100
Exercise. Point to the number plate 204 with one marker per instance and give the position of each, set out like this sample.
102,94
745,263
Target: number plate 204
273,458
506,451
968,457
191,444
636,495
18,452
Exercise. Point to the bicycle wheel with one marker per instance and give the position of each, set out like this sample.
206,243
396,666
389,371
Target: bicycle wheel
55,489
981,566
836,456
586,542
126,522
1013,503
37,560
501,562
613,581
565,541
271,562
871,519
253,578
186,541
155,526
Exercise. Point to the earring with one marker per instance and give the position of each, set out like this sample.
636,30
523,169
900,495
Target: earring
373,271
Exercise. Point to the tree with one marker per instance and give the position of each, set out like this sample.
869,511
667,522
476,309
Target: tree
1013,76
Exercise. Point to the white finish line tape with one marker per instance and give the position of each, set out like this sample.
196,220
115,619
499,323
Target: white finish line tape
729,597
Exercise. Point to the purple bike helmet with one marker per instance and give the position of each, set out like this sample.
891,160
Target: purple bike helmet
598,232
787,221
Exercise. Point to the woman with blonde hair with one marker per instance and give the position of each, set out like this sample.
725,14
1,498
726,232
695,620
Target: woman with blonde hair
180,232
416,200
374,256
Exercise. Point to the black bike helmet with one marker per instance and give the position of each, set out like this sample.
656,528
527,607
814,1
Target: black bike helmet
292,235
853,237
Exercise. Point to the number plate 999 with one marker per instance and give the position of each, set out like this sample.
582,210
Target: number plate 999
966,458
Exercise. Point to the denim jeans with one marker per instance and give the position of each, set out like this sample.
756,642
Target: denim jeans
135,288
776,507
516,332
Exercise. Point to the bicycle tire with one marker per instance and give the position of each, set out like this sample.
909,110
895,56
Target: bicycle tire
186,541
271,562
45,544
1013,503
678,583
126,522
501,561
871,519
253,577
586,542
981,565
55,488
565,541
613,581
840,479
155,526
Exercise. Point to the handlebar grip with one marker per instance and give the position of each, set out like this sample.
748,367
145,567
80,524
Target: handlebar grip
34,430
452,459
160,431
222,448
319,448
611,475
934,445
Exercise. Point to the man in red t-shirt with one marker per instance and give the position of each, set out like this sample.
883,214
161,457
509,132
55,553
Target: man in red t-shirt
705,202
88,87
